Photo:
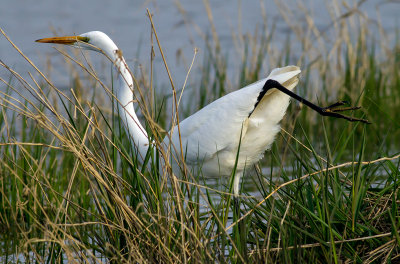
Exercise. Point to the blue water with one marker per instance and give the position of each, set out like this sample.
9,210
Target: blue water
127,24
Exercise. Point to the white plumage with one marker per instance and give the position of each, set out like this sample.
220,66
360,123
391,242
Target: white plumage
211,136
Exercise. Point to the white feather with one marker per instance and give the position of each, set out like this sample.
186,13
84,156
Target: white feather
211,136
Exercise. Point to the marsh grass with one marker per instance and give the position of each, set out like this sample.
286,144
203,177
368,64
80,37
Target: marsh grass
71,189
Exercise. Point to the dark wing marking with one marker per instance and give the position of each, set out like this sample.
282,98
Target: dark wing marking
268,85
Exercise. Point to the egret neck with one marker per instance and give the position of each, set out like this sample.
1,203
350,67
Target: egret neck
125,97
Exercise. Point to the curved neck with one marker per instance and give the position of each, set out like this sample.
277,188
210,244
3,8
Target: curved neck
125,96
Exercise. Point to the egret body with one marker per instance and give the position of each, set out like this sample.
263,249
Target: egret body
246,120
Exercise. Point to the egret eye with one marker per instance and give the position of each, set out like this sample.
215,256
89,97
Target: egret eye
84,39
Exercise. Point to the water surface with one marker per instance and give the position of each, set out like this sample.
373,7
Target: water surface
127,24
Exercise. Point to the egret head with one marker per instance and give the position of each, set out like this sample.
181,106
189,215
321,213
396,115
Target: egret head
93,40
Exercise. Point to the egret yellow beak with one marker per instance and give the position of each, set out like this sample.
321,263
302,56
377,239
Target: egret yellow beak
67,40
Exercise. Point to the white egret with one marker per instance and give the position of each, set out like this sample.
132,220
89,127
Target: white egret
246,120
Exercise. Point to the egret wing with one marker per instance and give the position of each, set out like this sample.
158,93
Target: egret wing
217,128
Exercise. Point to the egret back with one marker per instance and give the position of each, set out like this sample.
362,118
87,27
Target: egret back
211,136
